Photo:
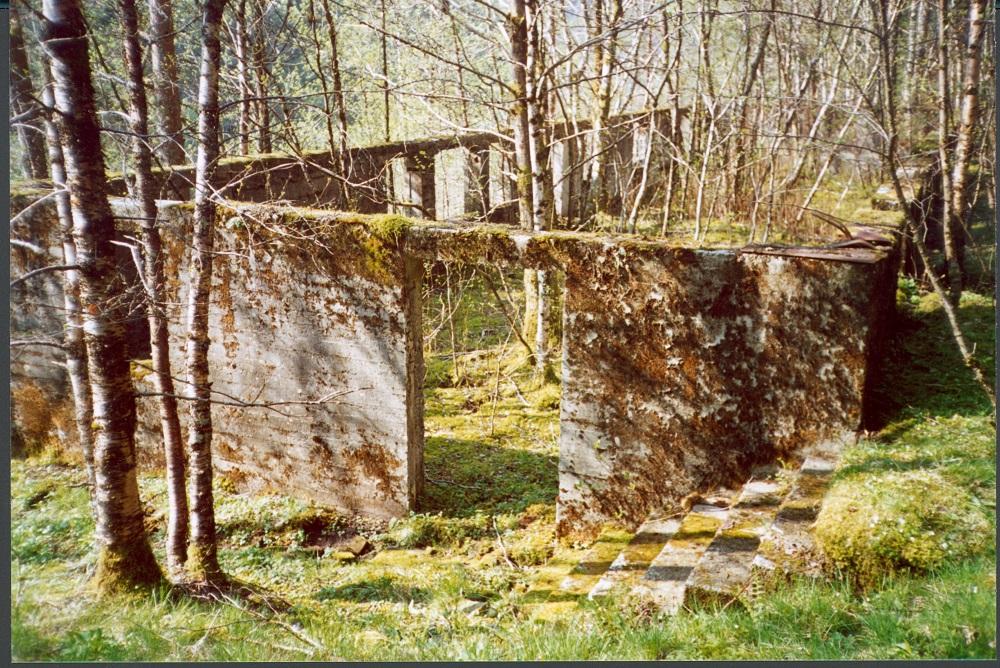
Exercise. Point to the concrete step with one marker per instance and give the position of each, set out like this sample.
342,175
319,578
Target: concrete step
665,581
632,562
595,562
788,544
560,584
709,554
723,573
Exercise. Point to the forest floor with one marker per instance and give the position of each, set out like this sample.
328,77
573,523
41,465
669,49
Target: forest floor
451,583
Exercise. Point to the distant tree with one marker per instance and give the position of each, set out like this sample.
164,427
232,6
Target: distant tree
23,105
125,558
166,81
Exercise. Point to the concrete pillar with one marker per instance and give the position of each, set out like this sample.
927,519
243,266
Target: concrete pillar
413,183
567,177
502,174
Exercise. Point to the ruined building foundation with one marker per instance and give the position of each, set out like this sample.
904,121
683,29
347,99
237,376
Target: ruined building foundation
681,368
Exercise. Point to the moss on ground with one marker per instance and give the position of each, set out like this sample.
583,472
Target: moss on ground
900,520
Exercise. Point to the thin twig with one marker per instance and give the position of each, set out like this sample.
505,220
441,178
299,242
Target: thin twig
503,548
44,270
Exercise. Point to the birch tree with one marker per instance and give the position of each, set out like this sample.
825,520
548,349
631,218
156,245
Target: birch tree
152,279
125,559
202,561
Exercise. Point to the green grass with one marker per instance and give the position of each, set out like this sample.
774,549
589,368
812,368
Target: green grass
491,462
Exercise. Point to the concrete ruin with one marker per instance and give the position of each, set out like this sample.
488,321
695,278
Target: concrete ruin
681,368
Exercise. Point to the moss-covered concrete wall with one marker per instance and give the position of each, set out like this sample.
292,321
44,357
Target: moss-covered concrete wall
681,368
315,347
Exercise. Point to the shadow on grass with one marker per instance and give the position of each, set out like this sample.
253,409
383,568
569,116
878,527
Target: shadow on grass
381,588
924,387
922,372
464,476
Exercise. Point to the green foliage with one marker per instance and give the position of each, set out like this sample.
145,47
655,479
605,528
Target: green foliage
907,291
423,530
91,645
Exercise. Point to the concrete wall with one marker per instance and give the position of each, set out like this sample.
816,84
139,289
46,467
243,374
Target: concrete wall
449,177
683,369
298,316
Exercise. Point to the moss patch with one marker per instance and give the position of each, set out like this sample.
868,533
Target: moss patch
126,569
901,520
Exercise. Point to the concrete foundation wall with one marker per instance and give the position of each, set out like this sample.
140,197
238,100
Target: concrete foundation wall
682,369
325,348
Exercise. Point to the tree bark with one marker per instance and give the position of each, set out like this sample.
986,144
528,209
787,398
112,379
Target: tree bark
519,112
29,132
944,126
537,148
166,82
518,29
125,558
967,124
76,350
202,561
177,523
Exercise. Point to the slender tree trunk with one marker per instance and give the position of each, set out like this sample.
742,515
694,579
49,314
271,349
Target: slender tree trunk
261,75
534,96
606,59
202,561
166,82
519,113
242,45
29,131
76,349
944,126
967,125
125,559
752,66
173,446
320,73
518,28
387,130
338,86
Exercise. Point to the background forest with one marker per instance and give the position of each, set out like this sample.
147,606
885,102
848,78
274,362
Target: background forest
750,122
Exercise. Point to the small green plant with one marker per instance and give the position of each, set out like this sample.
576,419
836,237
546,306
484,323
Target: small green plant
91,645
907,291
